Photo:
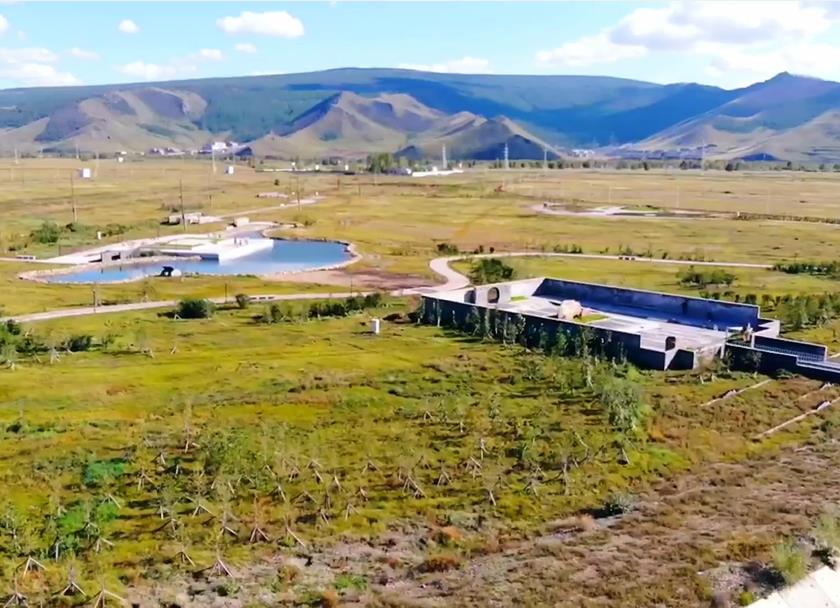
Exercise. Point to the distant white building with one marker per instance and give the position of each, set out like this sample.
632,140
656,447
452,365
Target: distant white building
190,217
229,170
85,173
217,147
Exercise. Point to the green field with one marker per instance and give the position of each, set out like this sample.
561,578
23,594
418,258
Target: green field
308,405
397,224
419,467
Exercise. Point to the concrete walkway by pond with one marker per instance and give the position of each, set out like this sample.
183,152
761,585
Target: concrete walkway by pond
441,266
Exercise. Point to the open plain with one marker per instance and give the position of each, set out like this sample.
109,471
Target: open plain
289,457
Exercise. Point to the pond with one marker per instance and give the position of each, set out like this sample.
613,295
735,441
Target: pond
284,256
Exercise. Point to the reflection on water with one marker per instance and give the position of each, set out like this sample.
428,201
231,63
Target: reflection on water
285,256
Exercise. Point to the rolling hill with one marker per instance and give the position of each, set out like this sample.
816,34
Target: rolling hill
787,117
348,112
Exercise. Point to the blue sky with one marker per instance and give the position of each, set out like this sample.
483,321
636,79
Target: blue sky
723,43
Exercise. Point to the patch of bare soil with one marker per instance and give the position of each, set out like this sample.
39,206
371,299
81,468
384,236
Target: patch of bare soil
363,279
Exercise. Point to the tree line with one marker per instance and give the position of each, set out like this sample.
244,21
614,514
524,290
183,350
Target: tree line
829,269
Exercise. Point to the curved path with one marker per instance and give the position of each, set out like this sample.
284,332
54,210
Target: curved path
453,280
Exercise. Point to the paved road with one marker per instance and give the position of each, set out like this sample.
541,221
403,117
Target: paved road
441,266
114,308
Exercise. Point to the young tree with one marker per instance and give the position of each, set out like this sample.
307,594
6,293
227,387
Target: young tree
490,270
622,400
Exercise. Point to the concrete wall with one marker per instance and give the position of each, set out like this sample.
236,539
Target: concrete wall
771,362
806,350
703,312
609,343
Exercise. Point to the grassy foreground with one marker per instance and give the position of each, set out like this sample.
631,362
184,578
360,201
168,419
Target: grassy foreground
316,433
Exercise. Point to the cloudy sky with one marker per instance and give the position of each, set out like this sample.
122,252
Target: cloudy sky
723,43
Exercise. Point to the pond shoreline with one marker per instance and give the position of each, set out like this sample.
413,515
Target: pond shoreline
42,276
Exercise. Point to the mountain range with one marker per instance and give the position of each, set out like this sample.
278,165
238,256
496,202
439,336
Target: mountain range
352,112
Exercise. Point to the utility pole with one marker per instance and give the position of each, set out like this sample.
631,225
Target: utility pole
181,197
73,198
545,158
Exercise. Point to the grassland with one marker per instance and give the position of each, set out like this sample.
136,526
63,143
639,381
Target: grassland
397,224
357,430
419,467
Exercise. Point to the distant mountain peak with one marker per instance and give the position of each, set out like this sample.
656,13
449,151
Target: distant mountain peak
346,112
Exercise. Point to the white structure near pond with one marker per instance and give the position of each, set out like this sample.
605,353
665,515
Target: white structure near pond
214,249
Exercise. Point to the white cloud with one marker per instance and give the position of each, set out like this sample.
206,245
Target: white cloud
83,54
174,68
21,35
464,65
270,23
155,71
587,51
27,55
245,47
127,26
25,73
4,24
680,25
210,54
738,39
739,67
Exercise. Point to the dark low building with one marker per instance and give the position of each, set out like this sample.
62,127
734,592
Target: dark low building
651,329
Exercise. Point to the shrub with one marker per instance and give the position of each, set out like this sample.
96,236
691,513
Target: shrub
350,581
329,599
704,278
440,562
619,503
623,401
195,308
98,471
447,249
242,300
13,327
114,229
746,597
47,234
490,270
448,536
80,343
790,560
826,533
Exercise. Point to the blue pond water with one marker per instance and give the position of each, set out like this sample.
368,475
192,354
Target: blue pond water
285,256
